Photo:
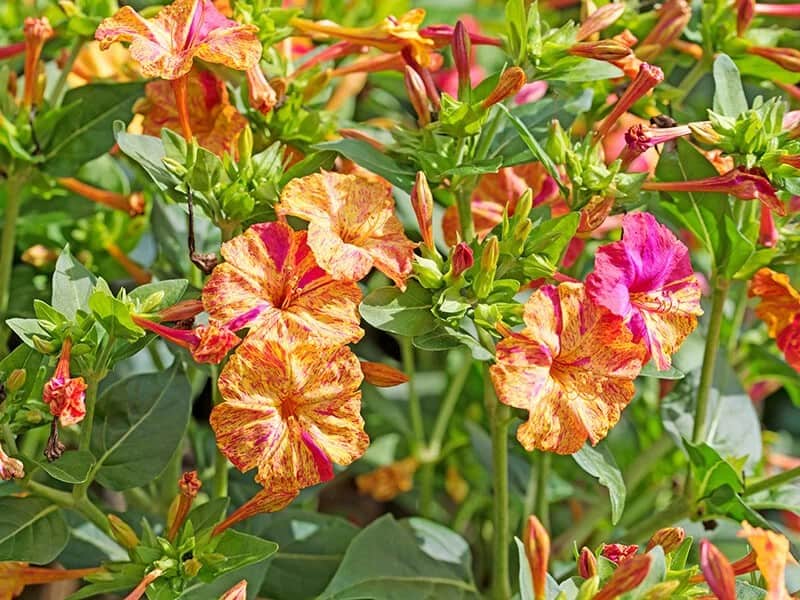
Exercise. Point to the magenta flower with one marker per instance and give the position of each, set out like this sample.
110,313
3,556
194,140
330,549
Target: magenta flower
647,279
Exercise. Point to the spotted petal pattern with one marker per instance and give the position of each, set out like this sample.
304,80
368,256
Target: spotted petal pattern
166,45
270,269
772,554
572,367
352,225
297,417
647,279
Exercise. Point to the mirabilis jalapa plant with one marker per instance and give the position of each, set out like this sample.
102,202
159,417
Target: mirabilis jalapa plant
338,256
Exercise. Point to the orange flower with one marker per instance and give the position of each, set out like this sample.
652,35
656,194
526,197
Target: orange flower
93,64
390,35
214,120
10,468
14,576
780,310
64,394
572,367
270,269
772,554
388,482
352,226
290,411
166,45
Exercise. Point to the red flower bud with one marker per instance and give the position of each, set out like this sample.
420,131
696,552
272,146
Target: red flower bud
600,19
462,259
422,203
537,549
511,82
745,11
717,571
587,563
619,553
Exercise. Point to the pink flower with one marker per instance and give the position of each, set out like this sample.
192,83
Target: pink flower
647,279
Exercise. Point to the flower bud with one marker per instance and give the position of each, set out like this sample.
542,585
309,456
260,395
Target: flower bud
174,167
192,567
717,571
588,589
662,591
788,58
15,380
648,77
628,576
381,375
189,486
39,256
123,533
511,82
705,133
745,11
461,260
427,272
485,278
587,563
261,94
42,345
537,549
607,50
669,538
152,301
462,49
37,31
237,592
557,144
417,95
245,146
422,203
767,231
600,19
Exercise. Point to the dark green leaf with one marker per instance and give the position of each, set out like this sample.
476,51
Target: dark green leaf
31,530
72,467
72,285
239,550
711,471
405,313
443,337
115,316
148,152
140,422
600,463
209,514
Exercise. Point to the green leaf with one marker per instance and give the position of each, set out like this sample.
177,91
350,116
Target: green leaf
206,171
140,422
404,560
311,546
170,292
31,530
88,132
729,98
405,313
550,237
239,550
73,284
710,470
517,30
26,329
115,316
366,156
148,152
444,337
601,464
651,370
525,579
206,516
71,467
738,248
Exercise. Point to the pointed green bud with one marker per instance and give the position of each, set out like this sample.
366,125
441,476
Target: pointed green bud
557,144
123,533
427,273
16,380
589,588
174,167
485,278
152,301
245,147
42,345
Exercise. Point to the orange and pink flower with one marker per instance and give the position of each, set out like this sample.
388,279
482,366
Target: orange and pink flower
351,225
572,367
772,554
780,310
298,417
270,269
65,395
647,279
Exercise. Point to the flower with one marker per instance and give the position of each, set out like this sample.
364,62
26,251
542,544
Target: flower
572,367
265,501
189,486
64,394
673,16
601,18
717,571
207,343
780,310
381,375
270,268
537,551
291,411
94,64
14,576
618,553
461,259
647,279
629,575
10,468
166,45
133,204
639,140
352,226
648,77
386,483
669,538
37,31
237,592
390,35
772,554
788,58
260,93
213,119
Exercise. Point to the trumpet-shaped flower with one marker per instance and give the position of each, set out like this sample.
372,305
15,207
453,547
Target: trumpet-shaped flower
351,225
647,279
214,120
772,554
64,394
572,367
780,310
290,411
270,269
14,576
166,45
207,343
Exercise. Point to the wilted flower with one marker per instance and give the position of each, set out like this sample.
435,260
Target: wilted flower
166,45
639,139
270,269
388,482
628,576
382,375
189,486
647,279
572,368
64,394
618,553
14,576
291,411
352,226
10,468
537,550
261,94
214,121
780,310
37,31
772,554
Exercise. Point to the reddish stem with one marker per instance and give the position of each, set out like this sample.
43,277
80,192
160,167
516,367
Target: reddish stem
180,87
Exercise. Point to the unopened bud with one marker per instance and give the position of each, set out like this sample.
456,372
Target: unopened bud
427,272
484,281
16,379
669,538
588,589
788,58
174,167
745,11
462,49
587,563
600,19
382,375
43,346
704,133
237,592
662,591
524,205
628,576
245,146
416,94
537,549
607,50
34,416
69,8
461,260
422,203
557,144
717,571
511,82
123,533
152,301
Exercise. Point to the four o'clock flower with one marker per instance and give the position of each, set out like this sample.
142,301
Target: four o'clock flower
772,554
639,139
188,486
207,343
271,270
647,279
64,394
14,576
780,310
10,468
261,94
618,553
746,184
717,571
351,225
167,45
298,417
648,77
37,31
572,367
265,501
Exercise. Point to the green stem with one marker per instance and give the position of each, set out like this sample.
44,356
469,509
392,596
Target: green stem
464,205
487,135
219,484
770,482
414,406
426,480
7,242
10,440
58,89
449,404
85,440
499,417
93,514
690,80
541,507
68,501
718,297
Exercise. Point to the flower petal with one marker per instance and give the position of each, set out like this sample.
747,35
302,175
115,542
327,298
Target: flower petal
780,302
